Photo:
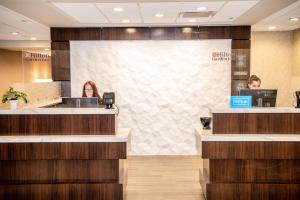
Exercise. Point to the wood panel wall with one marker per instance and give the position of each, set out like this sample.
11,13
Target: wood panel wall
57,124
256,123
61,37
65,171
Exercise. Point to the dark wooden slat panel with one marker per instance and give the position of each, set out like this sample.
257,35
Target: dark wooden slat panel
174,33
250,150
259,171
60,61
66,34
12,151
91,124
143,33
62,192
256,123
63,151
9,126
125,34
59,171
241,44
253,191
225,32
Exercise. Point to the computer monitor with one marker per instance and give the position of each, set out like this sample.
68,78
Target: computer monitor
261,97
80,101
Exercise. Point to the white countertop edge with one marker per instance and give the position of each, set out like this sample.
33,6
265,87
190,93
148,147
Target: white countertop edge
54,111
205,135
122,136
256,110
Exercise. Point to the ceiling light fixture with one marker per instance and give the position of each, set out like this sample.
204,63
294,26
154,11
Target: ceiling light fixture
33,38
125,21
272,27
118,9
192,20
15,33
159,15
293,19
201,8
131,30
187,30
46,49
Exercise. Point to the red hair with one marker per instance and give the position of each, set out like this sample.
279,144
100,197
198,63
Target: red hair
95,90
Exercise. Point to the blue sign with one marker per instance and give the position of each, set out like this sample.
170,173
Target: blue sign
240,102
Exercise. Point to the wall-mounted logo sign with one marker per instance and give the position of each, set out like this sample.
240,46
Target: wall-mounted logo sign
36,56
220,56
240,102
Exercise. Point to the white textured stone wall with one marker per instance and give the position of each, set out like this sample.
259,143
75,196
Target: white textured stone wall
162,87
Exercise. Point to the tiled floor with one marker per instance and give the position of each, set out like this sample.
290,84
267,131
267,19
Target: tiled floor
164,178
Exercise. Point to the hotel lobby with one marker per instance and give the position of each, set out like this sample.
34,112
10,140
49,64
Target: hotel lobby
150,100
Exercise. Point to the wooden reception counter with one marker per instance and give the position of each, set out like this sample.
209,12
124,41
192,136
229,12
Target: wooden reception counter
251,154
62,153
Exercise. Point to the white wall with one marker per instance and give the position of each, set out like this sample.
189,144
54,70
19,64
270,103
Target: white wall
162,87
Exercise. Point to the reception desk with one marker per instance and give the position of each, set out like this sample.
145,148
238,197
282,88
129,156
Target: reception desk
251,154
62,153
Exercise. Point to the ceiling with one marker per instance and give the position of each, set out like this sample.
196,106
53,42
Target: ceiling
31,19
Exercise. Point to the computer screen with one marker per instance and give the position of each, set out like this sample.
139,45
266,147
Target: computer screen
81,101
261,97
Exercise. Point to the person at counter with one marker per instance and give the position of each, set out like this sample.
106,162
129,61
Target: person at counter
253,82
90,90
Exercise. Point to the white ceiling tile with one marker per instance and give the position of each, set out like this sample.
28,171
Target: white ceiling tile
192,6
130,12
82,12
11,21
169,10
280,19
233,9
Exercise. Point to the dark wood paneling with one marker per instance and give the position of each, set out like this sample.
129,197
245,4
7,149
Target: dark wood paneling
59,171
60,61
62,192
225,32
125,34
63,151
241,44
65,34
259,171
250,150
61,36
253,191
174,33
91,124
143,33
256,123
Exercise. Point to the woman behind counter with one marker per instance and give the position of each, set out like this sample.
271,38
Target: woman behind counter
90,90
254,82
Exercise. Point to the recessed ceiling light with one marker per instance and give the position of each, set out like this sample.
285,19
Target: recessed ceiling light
159,15
187,30
118,9
15,33
272,27
125,21
202,8
131,30
293,19
33,38
46,49
192,20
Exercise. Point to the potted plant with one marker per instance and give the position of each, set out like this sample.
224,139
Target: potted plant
13,97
